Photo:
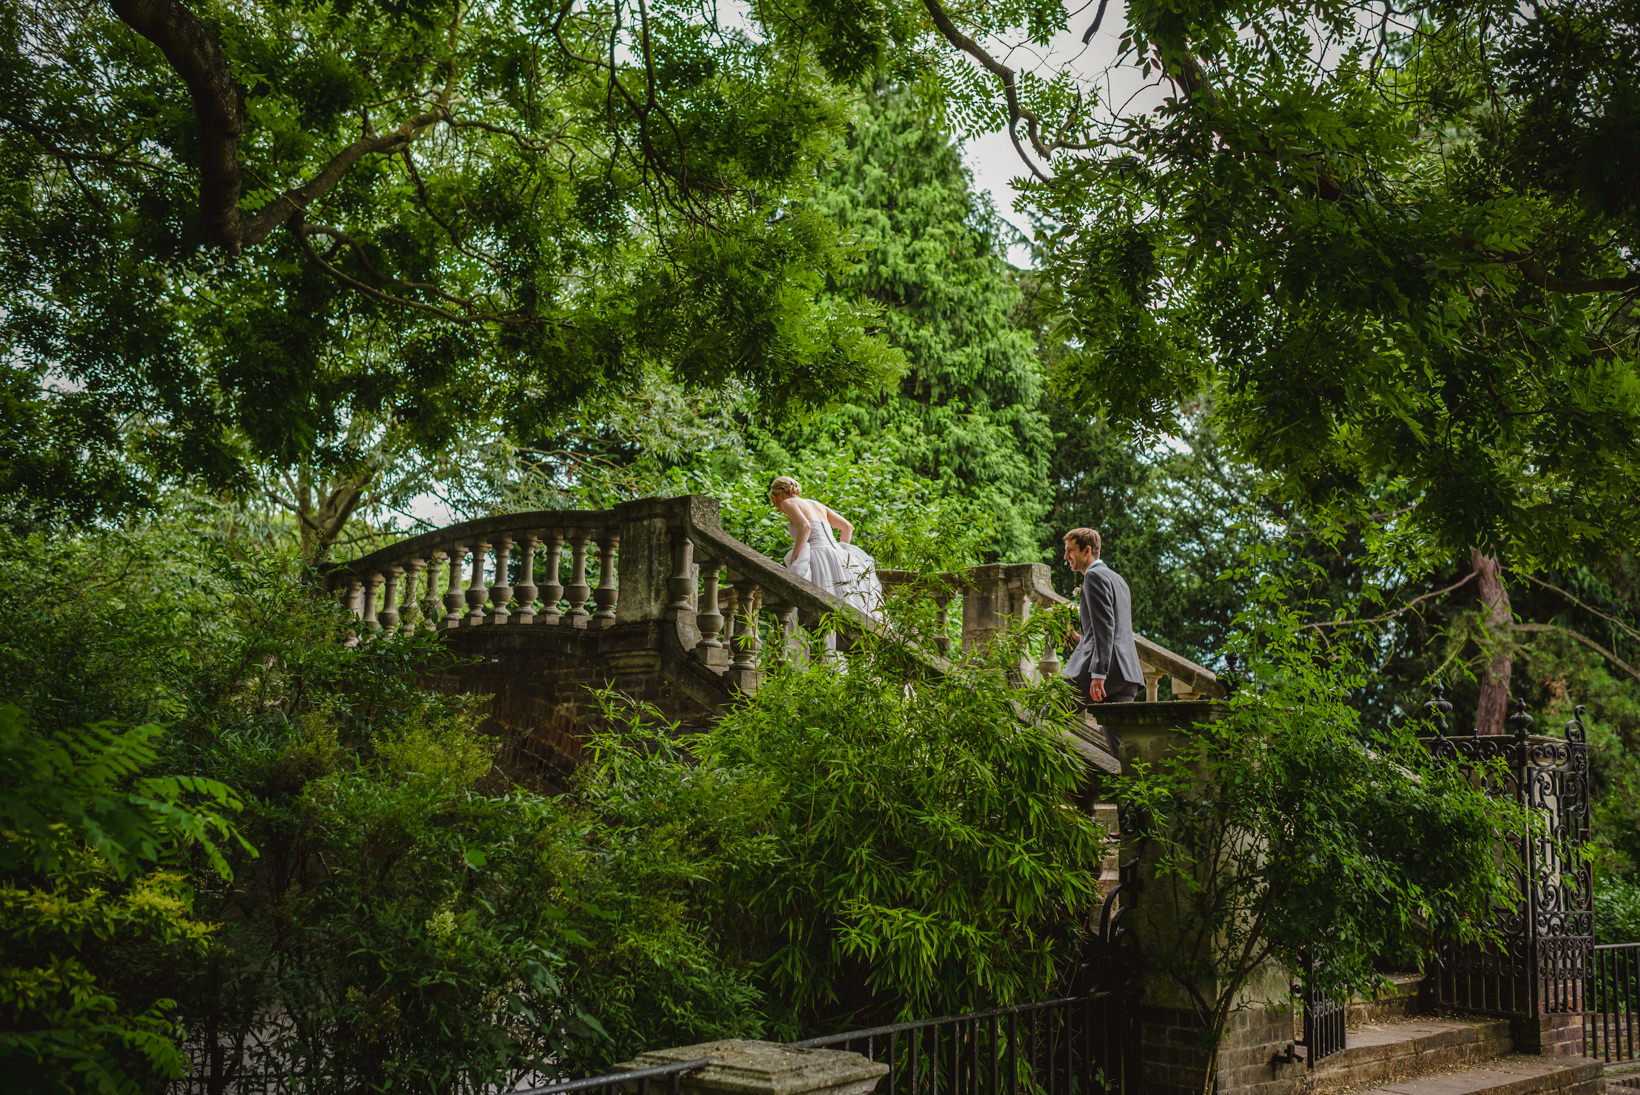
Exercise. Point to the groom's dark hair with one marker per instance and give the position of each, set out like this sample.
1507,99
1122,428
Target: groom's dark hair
1084,538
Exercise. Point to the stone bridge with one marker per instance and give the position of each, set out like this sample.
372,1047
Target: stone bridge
654,599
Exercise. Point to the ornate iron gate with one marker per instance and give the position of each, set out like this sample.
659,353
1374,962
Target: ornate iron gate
1541,966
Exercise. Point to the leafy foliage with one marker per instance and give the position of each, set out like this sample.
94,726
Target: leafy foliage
928,853
1392,245
84,914
441,221
411,919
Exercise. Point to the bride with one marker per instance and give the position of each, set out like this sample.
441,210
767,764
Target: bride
838,568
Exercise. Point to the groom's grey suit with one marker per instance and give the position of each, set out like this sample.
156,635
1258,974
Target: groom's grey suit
1107,648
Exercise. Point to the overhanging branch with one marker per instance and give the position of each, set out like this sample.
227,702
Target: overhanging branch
195,56
192,51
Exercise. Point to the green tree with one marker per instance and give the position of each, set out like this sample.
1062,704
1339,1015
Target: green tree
300,250
1393,243
967,414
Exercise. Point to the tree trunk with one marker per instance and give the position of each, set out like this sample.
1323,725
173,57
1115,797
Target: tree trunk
1496,667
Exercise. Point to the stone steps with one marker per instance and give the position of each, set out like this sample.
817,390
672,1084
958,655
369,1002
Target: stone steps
1378,1052
1623,1079
1512,1075
1402,1001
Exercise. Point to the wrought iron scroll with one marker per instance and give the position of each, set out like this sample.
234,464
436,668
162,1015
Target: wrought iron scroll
1541,963
1118,959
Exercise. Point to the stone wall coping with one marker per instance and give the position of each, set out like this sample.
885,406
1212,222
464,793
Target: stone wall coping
742,1066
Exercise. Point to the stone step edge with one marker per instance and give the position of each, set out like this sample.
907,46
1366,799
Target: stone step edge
1462,1043
1405,997
1561,1074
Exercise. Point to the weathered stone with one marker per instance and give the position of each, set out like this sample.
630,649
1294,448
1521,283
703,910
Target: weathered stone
741,1066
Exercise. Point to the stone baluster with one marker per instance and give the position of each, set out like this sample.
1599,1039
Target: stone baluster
1153,682
431,607
606,593
744,642
525,591
552,590
371,620
729,603
501,592
354,594
476,593
709,617
942,605
789,633
680,587
578,591
411,611
453,599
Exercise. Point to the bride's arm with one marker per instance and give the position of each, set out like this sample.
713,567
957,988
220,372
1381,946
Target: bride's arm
800,525
840,523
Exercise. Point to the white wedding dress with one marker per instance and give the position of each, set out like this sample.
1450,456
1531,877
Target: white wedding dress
838,568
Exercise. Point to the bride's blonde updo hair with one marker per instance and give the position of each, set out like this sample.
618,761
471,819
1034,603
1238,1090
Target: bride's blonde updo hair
784,484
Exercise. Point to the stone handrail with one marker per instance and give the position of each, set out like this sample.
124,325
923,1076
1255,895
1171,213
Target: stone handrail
668,562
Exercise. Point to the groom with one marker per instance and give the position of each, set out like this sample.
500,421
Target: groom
1104,667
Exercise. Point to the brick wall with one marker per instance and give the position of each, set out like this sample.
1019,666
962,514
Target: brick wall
1549,1035
1251,1058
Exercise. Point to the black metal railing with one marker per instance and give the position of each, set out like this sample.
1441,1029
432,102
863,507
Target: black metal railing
1078,1045
1611,1025
632,1081
1323,1016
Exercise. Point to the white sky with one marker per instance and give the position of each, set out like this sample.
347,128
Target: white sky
991,156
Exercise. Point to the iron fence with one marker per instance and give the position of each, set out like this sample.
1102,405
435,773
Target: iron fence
1078,1045
1611,1025
633,1081
1323,1018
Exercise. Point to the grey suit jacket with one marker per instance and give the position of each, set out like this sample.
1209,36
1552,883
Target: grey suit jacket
1107,648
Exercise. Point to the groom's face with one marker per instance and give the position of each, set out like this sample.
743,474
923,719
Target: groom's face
1078,557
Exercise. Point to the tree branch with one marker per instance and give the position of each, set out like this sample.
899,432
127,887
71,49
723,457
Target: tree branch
195,56
1586,607
1586,641
1537,275
192,51
1010,87
1390,615
296,201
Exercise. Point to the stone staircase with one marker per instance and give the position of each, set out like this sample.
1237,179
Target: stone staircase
1395,1046
1623,1079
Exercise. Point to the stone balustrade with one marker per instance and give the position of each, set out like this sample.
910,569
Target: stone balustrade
992,598
667,564
649,561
